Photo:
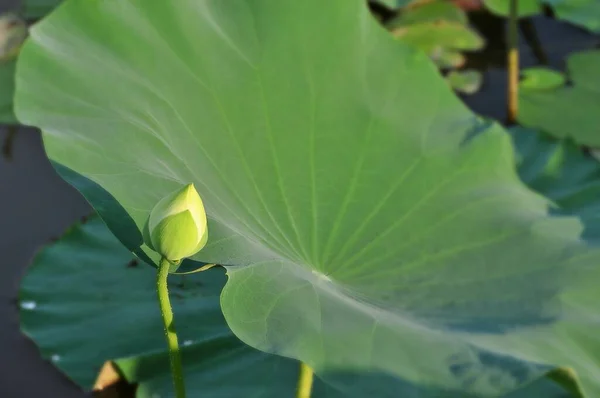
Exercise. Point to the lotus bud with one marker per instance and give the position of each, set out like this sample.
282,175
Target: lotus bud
176,227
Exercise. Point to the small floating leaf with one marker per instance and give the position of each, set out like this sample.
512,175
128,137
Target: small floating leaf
465,81
540,78
566,110
525,7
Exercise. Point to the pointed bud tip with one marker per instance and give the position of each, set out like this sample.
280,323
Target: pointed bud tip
177,226
189,191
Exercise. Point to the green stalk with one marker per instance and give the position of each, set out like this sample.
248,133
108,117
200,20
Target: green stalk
305,381
513,63
170,334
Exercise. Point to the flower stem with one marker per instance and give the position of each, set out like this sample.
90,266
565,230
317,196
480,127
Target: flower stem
170,334
305,381
513,63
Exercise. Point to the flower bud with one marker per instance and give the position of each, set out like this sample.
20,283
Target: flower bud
176,227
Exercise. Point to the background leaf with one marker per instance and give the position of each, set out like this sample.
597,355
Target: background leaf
86,300
432,11
396,3
440,29
465,81
34,9
525,7
559,170
539,78
570,110
583,13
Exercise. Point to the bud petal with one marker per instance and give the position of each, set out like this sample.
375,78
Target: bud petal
176,227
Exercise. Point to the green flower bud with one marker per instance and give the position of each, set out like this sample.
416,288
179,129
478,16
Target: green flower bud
176,227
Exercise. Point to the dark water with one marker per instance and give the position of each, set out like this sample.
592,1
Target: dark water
36,205
555,40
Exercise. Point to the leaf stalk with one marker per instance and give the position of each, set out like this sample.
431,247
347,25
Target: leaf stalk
170,333
513,62
305,381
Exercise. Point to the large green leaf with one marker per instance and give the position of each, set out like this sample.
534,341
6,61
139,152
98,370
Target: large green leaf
570,110
368,219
